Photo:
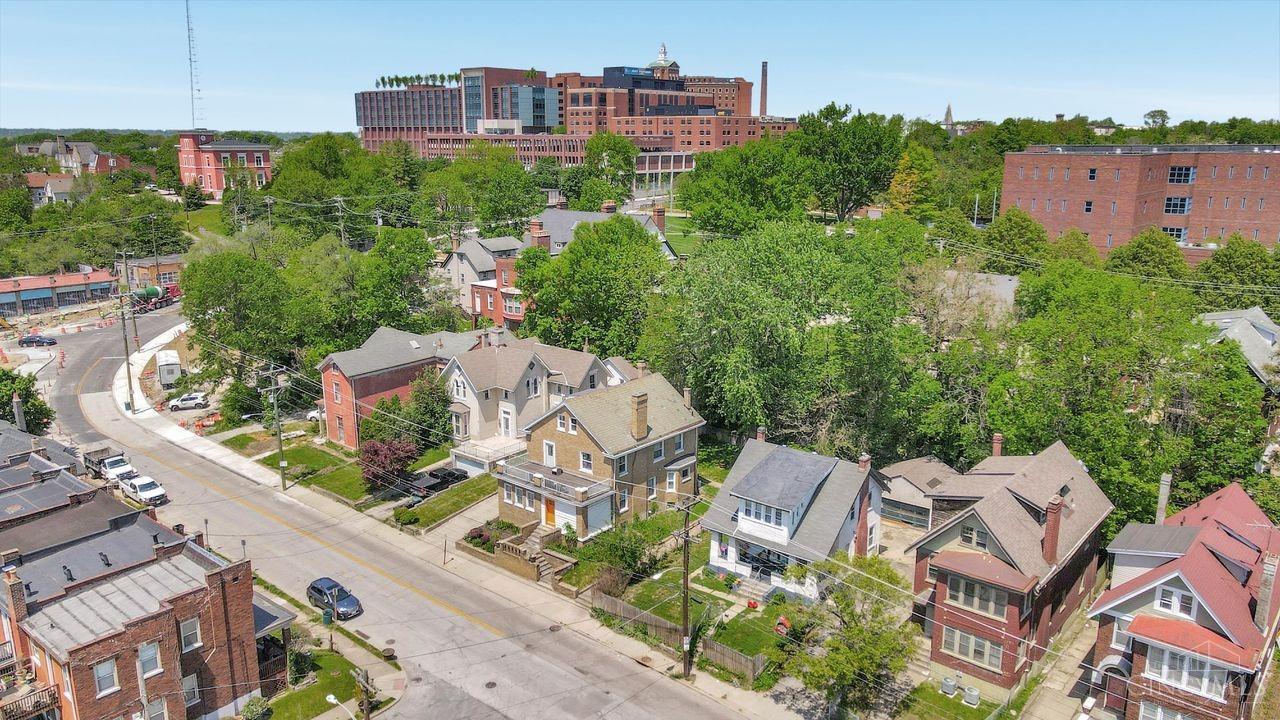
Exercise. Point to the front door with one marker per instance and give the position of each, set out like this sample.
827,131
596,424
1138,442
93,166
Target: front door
550,518
1116,691
506,423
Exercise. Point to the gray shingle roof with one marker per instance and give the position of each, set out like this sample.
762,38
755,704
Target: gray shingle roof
233,144
819,526
388,348
605,413
624,367
496,366
560,224
928,474
1158,539
572,365
16,442
784,477
1259,338
66,524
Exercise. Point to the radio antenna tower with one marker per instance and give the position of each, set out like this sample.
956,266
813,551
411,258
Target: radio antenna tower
191,64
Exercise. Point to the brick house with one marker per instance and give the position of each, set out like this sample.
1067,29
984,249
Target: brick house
475,261
206,161
354,380
997,579
602,457
107,613
1188,625
781,507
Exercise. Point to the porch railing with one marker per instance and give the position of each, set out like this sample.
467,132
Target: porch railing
32,703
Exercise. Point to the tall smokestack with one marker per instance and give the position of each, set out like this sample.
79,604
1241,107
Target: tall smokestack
764,88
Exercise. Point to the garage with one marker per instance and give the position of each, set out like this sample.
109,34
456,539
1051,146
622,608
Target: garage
913,515
470,466
600,515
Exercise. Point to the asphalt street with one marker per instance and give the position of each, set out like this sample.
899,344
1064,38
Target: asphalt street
490,649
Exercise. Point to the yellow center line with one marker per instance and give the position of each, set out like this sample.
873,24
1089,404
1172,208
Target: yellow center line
440,602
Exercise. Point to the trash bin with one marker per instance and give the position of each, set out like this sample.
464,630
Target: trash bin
326,617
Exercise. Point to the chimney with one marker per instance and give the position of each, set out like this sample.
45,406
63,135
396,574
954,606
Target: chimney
562,203
1162,501
760,433
688,396
1060,117
198,538
642,368
764,88
1052,524
17,599
1266,588
864,462
639,415
180,529
660,218
543,239
535,226
997,444
608,207
19,417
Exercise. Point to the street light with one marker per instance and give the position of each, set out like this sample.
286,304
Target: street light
332,700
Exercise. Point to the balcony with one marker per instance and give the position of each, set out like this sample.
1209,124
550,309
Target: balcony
6,654
569,487
27,701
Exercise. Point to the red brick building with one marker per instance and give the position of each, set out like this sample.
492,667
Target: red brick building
207,161
695,133
1199,194
998,579
1187,627
731,96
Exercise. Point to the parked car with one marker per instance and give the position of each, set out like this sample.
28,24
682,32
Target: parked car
36,341
109,463
446,475
328,593
144,490
315,415
197,400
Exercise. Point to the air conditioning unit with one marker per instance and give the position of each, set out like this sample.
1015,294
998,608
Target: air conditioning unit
949,686
971,696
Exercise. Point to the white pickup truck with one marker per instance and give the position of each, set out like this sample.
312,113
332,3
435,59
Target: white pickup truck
144,490
110,464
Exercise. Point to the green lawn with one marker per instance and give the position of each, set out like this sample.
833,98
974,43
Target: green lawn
750,632
333,675
925,702
431,457
662,598
582,573
311,457
680,235
208,217
457,497
346,481
240,442
715,458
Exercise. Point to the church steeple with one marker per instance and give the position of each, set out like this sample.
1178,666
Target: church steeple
948,123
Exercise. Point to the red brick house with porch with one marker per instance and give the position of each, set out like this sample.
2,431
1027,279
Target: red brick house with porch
998,579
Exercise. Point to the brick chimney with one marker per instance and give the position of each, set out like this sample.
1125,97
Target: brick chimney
608,207
642,368
864,462
639,415
760,433
997,444
1052,526
562,203
1162,500
688,396
542,238
535,226
17,597
660,218
1266,588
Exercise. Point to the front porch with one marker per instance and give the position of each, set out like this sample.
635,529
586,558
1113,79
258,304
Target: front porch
763,569
29,701
484,455
554,498
272,634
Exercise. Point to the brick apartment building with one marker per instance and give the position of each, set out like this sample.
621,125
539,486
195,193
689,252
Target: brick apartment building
1190,621
107,613
207,161
731,96
999,576
1199,194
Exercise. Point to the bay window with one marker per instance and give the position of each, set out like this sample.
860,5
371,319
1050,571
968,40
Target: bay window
1186,672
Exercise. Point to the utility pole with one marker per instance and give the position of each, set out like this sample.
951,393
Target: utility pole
278,381
342,220
155,248
993,205
975,209
365,692
124,335
128,283
686,640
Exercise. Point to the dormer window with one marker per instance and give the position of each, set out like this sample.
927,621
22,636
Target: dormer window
973,537
1175,601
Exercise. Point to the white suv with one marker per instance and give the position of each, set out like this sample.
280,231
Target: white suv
197,400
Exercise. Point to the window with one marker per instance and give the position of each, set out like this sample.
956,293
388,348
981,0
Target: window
506,493
1177,205
622,464
680,440
671,480
1151,711
1182,174
533,386
156,709
624,497
1178,602
1088,206
191,689
1093,174
1117,174
1050,173
561,422
972,648
1062,205
1035,173
489,302
1021,173
685,474
591,380
190,633
1109,239
257,159
1248,173
584,462
1113,207
652,486
149,659
1066,174
573,425
337,394
1119,638
459,428
104,677
976,596
1261,203
1226,203
1214,173
1209,204
1187,672
459,387
1033,203
342,430
1231,172
1177,233
1266,172
973,537
659,451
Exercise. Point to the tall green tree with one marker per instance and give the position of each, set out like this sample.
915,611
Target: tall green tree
236,301
1015,242
914,188
735,190
1150,253
1240,262
1073,245
35,411
850,157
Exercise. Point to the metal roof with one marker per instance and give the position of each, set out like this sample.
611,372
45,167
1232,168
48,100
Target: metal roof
389,348
1154,539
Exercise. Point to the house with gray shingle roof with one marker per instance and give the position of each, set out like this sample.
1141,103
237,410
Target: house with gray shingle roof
781,507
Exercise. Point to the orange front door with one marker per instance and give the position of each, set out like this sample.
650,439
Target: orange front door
551,513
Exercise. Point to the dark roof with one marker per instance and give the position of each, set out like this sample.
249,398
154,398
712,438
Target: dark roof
69,523
390,348
784,477
268,615
1154,539
16,442
36,487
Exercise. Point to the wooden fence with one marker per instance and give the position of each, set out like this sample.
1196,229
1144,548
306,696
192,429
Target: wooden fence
748,666
666,631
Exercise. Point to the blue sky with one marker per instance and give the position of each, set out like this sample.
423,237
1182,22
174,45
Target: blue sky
294,65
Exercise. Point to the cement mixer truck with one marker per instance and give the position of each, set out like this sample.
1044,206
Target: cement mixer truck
154,297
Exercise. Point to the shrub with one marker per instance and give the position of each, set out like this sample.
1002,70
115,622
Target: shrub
404,516
299,666
256,709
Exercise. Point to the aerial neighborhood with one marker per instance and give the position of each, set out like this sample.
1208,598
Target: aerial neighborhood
604,392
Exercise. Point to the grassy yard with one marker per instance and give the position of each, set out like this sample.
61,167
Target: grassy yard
662,598
431,457
252,443
240,442
457,497
306,455
346,481
333,676
680,235
715,458
925,702
583,573
750,632
208,217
